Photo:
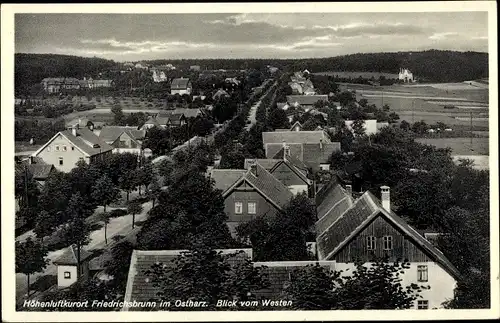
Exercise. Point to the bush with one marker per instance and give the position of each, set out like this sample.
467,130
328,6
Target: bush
117,213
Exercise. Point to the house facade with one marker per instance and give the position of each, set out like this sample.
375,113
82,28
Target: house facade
67,266
58,84
364,229
68,147
125,140
181,86
405,75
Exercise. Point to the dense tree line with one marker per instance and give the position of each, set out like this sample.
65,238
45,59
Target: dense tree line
41,131
32,68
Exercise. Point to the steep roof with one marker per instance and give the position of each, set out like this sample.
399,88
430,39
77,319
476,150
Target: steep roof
297,123
296,137
69,256
85,140
276,151
319,153
140,287
306,99
334,204
188,113
264,162
267,185
299,172
351,222
40,171
279,273
180,83
111,133
225,178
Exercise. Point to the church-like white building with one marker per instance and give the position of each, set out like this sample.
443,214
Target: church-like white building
405,75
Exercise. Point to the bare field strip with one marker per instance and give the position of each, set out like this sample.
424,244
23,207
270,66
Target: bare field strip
460,146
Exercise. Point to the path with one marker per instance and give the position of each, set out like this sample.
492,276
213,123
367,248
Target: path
253,109
117,226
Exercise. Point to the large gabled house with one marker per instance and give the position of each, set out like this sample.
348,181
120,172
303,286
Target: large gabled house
68,147
58,84
125,140
181,86
366,228
251,193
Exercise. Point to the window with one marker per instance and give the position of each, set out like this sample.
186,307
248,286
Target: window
387,240
422,272
423,304
252,208
72,147
238,207
61,161
370,242
67,275
64,148
57,148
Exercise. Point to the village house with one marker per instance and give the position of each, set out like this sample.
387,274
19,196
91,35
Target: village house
90,83
371,126
125,140
313,148
220,94
181,86
58,84
296,88
68,147
165,120
405,75
35,168
249,194
67,266
195,68
140,286
363,228
307,102
159,75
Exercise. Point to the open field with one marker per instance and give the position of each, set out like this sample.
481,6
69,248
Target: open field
366,75
460,146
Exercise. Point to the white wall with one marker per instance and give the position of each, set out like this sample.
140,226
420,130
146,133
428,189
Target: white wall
296,189
370,126
65,282
442,284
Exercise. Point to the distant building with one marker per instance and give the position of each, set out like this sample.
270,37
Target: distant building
405,75
305,101
159,76
68,147
141,66
195,68
371,126
181,86
58,84
220,94
92,84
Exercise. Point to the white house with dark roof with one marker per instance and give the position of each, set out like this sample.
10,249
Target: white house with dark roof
68,147
366,228
181,86
125,140
67,266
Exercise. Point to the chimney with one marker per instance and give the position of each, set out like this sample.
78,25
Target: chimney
73,130
348,188
321,143
253,169
385,194
32,160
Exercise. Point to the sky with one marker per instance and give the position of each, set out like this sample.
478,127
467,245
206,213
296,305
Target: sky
134,37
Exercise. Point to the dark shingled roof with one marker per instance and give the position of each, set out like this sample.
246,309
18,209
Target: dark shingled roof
179,83
266,163
306,99
188,113
366,208
267,185
319,153
225,178
40,171
140,287
294,137
276,151
110,133
69,257
279,273
335,203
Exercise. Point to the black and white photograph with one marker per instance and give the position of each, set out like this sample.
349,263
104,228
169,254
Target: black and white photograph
264,162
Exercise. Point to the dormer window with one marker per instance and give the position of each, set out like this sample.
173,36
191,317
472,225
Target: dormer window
96,146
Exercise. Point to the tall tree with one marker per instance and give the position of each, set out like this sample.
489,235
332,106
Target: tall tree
375,286
77,230
118,265
30,258
204,274
104,217
145,176
45,224
154,190
105,192
278,119
128,182
134,208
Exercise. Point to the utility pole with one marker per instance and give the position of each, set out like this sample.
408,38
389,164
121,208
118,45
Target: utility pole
412,111
471,147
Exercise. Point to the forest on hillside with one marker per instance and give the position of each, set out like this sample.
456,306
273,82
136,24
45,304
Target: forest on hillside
31,69
427,66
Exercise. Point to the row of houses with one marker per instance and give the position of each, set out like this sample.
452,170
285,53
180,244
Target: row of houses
58,84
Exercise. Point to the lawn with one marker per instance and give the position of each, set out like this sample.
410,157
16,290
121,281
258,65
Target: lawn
460,146
366,75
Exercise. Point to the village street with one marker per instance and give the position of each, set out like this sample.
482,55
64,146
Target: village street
117,226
